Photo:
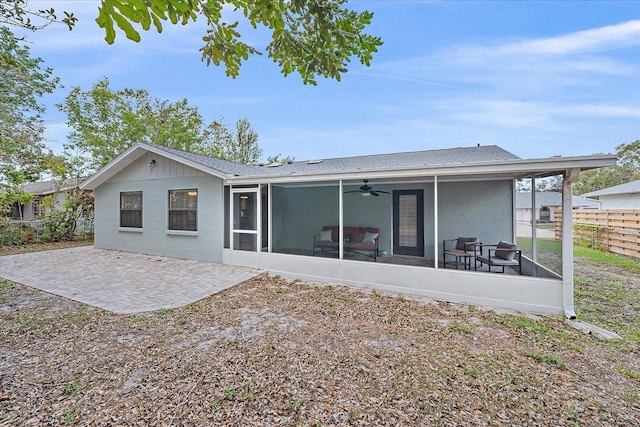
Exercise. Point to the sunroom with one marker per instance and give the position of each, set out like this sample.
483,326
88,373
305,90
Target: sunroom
275,222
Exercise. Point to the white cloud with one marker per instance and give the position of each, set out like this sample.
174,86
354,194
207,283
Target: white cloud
542,59
589,41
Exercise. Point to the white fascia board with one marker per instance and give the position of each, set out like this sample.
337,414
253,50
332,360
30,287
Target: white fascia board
132,154
509,168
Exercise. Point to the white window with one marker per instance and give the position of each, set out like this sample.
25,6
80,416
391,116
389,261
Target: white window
183,210
131,209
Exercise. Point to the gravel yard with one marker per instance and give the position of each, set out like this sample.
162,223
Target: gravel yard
275,352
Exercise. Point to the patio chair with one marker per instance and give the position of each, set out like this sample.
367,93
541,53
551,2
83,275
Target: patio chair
462,252
504,254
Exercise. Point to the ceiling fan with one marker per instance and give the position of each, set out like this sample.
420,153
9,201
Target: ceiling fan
366,191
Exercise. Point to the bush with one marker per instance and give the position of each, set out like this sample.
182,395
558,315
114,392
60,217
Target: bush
16,234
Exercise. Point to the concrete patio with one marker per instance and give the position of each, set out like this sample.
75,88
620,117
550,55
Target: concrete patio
121,282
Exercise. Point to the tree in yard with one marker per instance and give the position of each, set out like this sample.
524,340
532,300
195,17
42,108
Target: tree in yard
22,83
627,169
240,146
60,224
105,123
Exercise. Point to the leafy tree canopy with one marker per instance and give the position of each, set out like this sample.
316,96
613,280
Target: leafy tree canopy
17,14
22,82
627,169
240,146
312,37
105,122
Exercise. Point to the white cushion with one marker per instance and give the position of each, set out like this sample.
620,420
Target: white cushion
325,236
369,237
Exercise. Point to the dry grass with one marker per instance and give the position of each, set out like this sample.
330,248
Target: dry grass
273,352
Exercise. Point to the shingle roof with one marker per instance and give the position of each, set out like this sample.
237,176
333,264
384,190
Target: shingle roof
224,166
47,187
449,156
629,187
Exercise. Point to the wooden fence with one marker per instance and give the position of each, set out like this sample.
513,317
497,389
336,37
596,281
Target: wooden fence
616,231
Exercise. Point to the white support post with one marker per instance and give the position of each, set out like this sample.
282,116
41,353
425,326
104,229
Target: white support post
231,235
567,242
259,219
435,221
269,218
534,223
340,220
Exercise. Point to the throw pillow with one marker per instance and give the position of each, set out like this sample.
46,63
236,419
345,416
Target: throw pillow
506,254
461,244
369,237
325,236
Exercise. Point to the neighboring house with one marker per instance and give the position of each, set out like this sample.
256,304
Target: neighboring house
547,204
623,196
40,190
166,202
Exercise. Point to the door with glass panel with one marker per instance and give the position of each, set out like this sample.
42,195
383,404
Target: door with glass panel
408,222
245,220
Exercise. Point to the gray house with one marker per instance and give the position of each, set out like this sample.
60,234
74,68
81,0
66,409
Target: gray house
374,221
548,203
623,196
40,190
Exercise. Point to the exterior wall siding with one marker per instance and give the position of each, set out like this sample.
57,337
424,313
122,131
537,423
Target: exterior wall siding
154,239
620,201
476,209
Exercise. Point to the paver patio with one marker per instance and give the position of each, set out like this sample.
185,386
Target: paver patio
119,281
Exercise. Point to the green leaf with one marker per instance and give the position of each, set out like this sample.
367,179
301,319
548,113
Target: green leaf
157,23
126,26
105,21
181,6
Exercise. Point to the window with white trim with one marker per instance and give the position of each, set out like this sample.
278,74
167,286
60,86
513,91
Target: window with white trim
183,210
131,209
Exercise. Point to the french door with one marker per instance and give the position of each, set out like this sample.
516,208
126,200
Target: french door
408,222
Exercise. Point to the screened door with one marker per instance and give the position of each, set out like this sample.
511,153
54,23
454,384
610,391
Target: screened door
245,220
408,222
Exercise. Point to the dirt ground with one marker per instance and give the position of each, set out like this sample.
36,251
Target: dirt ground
274,352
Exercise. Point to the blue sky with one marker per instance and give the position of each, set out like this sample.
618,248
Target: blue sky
537,78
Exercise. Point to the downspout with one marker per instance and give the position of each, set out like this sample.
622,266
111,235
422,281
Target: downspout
570,176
